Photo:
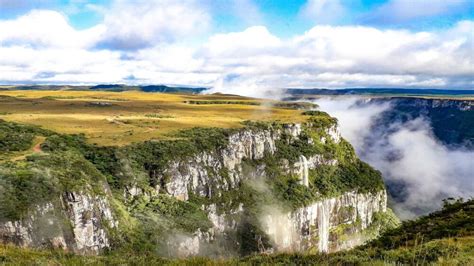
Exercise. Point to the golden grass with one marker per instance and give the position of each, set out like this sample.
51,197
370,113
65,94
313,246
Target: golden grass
132,115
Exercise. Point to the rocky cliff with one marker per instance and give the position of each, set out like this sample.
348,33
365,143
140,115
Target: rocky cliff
450,119
264,188
76,222
321,225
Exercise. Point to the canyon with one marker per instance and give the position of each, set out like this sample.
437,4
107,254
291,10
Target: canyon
211,182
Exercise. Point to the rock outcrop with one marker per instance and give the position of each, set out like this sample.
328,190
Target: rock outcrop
78,224
321,224
194,174
304,229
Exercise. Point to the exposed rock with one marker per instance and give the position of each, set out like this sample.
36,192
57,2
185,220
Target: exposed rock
87,215
80,227
311,225
298,231
293,129
193,173
304,171
334,133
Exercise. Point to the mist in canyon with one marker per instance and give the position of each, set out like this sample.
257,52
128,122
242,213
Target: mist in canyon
418,169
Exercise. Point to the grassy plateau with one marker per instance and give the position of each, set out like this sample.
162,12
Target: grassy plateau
120,118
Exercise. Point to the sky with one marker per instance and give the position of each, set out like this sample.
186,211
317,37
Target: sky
244,46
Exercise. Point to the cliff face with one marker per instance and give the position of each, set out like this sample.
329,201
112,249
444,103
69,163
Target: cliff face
197,174
193,174
425,104
326,225
329,225
451,120
259,192
76,222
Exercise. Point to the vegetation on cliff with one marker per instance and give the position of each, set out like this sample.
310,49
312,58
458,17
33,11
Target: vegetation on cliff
445,237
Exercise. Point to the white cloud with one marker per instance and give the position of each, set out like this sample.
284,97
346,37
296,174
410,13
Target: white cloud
255,40
42,46
344,56
354,119
132,25
61,65
430,170
44,28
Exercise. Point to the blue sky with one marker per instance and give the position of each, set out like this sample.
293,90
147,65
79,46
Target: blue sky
204,42
282,17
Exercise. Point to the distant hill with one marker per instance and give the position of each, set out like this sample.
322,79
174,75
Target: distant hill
110,87
148,88
163,88
380,91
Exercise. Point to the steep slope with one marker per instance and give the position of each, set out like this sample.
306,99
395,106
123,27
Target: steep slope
452,120
266,187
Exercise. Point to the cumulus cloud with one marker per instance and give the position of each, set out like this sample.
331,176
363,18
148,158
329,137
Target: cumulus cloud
345,56
418,168
20,64
161,42
131,25
252,41
46,28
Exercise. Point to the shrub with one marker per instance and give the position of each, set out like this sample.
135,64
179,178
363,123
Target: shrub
18,137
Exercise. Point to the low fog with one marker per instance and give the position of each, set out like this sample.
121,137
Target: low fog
419,170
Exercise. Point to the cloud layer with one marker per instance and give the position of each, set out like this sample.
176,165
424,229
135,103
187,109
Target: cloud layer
171,42
413,162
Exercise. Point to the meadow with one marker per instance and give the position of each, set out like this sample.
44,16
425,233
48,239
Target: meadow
121,118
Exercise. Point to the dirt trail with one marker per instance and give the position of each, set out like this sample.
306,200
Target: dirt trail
37,148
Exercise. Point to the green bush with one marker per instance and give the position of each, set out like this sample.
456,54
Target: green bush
58,142
186,215
206,139
22,188
454,220
43,179
315,113
18,137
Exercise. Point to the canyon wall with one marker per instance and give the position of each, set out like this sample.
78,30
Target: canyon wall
86,223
